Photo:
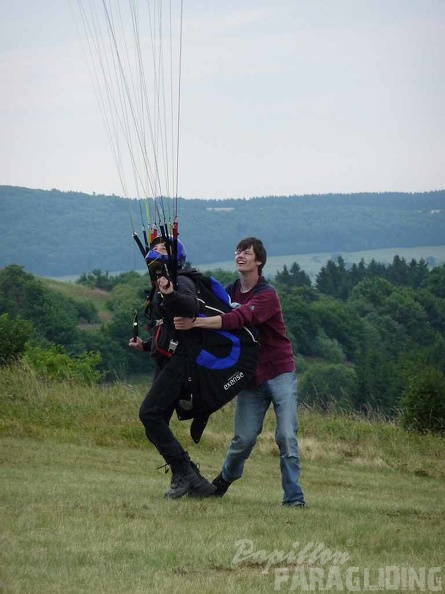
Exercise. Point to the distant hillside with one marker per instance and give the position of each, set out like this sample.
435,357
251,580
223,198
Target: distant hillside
53,233
311,263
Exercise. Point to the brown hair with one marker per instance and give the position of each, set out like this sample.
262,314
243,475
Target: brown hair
257,246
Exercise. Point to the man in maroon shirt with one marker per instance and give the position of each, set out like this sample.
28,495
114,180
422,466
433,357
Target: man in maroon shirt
274,381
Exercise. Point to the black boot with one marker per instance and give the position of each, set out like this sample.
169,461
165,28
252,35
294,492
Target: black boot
197,493
221,485
186,481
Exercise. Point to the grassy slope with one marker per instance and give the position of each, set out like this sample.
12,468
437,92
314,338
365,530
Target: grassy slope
83,507
82,294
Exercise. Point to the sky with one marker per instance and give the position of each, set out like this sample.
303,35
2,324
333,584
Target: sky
282,97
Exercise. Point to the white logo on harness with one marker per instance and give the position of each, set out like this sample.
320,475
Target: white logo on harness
235,378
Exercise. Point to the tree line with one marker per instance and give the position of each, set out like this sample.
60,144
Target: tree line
42,230
368,337
372,332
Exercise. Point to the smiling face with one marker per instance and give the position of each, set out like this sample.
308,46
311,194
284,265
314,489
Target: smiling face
246,260
250,255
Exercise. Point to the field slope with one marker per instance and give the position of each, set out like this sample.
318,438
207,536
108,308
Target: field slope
83,510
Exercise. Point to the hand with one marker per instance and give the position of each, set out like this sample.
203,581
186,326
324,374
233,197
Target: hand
183,323
164,285
136,344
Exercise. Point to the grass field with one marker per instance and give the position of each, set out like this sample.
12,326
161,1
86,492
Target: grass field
83,508
81,293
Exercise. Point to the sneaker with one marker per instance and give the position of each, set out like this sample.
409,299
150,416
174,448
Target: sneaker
221,485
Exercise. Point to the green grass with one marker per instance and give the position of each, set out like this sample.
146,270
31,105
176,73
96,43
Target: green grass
83,510
81,293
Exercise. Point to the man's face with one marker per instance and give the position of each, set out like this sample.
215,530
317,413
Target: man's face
246,260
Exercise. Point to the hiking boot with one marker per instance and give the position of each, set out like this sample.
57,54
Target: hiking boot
206,489
186,481
195,468
221,485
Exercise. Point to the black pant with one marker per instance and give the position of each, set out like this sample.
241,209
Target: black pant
159,404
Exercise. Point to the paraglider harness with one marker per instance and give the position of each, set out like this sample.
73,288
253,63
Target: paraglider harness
220,363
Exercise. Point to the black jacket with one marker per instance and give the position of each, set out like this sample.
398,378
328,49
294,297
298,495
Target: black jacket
182,302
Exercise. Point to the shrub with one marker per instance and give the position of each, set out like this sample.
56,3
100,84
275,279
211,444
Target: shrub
13,336
329,349
55,364
301,364
423,402
328,386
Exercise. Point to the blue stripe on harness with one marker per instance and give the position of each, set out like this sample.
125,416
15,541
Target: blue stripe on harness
206,359
219,291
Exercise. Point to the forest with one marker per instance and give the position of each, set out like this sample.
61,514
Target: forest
54,233
367,338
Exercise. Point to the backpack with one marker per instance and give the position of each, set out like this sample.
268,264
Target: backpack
221,364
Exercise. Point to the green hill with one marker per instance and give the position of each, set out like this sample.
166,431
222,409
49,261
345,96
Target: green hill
53,233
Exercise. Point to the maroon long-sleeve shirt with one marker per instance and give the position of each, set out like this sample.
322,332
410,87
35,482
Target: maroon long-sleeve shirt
261,308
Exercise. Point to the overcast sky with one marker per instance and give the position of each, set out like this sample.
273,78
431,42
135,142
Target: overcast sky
279,97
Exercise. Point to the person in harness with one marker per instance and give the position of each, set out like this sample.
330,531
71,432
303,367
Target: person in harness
169,349
274,381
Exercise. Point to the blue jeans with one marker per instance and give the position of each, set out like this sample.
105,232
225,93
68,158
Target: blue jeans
250,409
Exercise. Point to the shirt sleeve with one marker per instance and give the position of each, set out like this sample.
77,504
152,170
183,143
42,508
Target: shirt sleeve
259,309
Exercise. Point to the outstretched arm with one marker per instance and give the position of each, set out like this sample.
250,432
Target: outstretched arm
212,323
259,309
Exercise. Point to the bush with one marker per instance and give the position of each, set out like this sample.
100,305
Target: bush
329,349
13,337
55,364
328,386
423,402
300,364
